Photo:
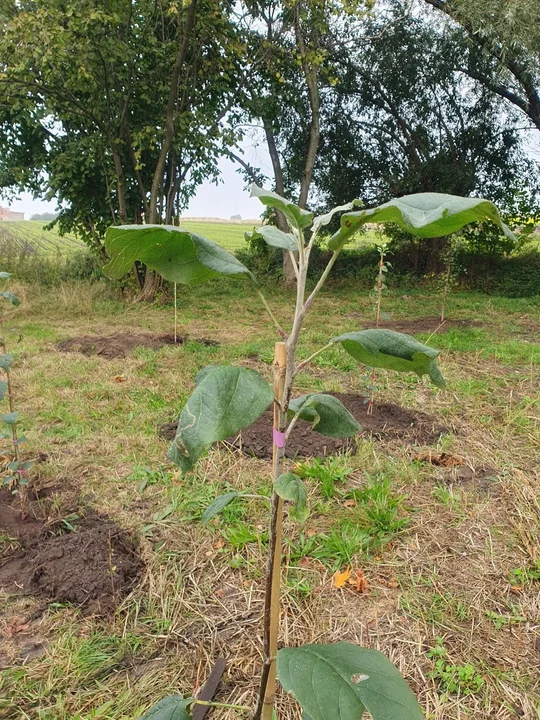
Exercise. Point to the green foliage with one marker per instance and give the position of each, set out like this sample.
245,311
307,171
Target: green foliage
392,351
290,487
380,510
342,681
275,238
217,505
173,707
423,215
177,255
326,413
327,472
226,400
516,276
454,679
297,217
526,575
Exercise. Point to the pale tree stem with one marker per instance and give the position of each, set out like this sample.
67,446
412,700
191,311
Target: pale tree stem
281,331
377,320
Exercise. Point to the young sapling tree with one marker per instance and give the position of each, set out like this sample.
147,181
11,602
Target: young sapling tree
331,682
379,288
16,479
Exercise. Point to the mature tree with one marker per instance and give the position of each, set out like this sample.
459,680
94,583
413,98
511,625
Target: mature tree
504,39
115,108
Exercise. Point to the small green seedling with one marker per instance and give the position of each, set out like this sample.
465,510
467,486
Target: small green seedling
16,477
330,682
454,679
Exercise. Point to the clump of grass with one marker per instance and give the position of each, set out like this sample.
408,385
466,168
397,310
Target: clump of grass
326,472
380,509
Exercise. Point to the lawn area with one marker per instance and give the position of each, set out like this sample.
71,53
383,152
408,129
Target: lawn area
445,532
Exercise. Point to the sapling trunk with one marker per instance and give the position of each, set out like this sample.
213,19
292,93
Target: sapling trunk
445,289
377,320
175,316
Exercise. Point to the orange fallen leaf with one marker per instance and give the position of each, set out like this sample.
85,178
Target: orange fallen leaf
17,626
516,589
392,583
219,544
359,582
349,503
340,579
219,593
119,378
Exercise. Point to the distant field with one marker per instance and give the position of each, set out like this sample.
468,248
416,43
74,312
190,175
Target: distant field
28,236
228,235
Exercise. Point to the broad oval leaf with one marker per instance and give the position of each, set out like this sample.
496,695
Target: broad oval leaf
5,361
276,238
10,418
297,217
322,220
176,254
3,389
423,214
217,505
10,297
328,415
4,275
226,400
393,351
172,707
289,487
341,681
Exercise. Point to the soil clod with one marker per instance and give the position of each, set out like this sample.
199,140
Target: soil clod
93,567
122,344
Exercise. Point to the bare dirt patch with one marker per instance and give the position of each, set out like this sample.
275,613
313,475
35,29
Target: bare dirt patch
428,325
388,422
122,344
92,567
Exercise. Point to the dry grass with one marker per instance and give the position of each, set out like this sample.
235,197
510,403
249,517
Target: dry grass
446,575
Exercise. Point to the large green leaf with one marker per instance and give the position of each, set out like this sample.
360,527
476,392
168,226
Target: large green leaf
177,255
393,351
341,681
289,487
4,275
226,400
217,505
10,418
423,214
322,220
172,707
277,238
10,297
296,216
5,361
328,415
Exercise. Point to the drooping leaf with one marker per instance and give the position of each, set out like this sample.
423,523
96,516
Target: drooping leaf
328,415
276,238
4,275
322,220
3,389
297,217
5,361
423,214
172,707
289,487
176,254
217,505
10,297
393,351
10,418
341,681
226,400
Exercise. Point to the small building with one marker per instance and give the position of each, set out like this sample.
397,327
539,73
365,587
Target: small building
7,214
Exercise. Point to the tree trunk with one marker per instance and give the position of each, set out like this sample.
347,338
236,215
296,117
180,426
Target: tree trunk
435,263
153,282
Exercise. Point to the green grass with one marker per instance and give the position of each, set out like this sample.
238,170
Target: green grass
439,556
228,235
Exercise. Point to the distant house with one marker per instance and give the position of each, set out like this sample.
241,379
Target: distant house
7,214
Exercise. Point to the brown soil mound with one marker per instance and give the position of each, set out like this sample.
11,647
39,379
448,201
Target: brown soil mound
388,422
93,567
121,344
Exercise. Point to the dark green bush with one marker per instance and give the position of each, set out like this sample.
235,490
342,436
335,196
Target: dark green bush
516,276
50,270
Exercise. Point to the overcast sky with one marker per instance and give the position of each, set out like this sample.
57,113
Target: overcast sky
230,196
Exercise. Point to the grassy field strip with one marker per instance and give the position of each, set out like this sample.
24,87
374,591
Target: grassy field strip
31,235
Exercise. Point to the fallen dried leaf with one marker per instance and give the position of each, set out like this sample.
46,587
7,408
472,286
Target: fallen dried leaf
349,503
119,378
340,579
219,544
359,582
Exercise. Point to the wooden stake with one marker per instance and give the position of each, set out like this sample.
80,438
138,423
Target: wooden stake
273,571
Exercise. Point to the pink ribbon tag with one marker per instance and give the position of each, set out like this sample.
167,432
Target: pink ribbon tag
278,438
